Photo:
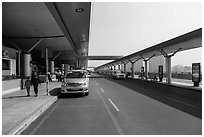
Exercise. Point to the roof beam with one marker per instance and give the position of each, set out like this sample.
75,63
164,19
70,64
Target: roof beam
14,44
44,37
134,61
176,52
100,57
34,45
57,55
163,53
58,18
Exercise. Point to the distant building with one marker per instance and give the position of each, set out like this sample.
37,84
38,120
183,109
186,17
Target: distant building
187,69
181,69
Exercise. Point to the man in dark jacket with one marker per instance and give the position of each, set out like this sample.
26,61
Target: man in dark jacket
35,82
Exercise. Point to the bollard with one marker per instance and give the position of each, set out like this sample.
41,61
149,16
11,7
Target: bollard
47,87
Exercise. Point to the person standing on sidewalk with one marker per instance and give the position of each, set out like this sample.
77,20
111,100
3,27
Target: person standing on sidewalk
35,82
27,85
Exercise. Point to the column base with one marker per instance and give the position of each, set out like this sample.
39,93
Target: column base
195,84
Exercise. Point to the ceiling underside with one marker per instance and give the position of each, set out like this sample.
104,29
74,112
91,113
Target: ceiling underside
184,42
34,26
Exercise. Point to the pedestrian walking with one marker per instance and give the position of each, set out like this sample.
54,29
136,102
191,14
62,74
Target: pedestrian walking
49,77
35,82
59,75
27,85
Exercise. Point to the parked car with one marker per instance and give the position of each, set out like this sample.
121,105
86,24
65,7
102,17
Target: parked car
76,81
118,74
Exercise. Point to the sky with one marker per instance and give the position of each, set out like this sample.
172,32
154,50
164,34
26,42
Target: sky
123,28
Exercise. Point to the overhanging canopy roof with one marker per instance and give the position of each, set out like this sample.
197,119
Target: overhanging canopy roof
184,42
57,26
100,57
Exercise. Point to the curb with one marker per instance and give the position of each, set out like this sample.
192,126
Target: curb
23,125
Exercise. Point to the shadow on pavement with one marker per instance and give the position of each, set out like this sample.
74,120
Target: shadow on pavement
162,92
11,97
56,92
70,96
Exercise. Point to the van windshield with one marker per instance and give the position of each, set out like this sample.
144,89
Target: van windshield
76,75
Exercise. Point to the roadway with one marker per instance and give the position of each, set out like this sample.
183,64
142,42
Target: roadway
127,107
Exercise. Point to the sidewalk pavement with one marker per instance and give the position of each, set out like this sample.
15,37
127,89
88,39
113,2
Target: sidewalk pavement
182,83
18,110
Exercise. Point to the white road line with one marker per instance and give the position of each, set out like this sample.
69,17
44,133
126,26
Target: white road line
102,90
112,116
181,102
113,104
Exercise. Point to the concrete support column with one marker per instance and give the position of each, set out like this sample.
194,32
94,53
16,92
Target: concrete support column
132,69
125,68
145,73
47,63
52,68
114,67
18,67
62,67
25,65
77,62
145,60
119,67
66,69
168,64
168,69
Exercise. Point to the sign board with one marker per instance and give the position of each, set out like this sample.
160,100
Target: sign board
196,72
160,69
142,71
5,54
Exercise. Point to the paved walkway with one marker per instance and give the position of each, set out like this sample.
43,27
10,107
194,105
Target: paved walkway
18,110
183,83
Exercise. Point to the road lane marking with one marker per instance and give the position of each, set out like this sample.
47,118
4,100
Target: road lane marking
102,90
113,104
181,102
111,115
